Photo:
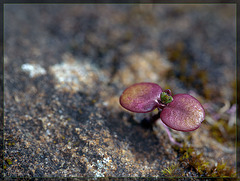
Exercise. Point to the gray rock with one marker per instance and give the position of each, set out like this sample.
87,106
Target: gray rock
67,121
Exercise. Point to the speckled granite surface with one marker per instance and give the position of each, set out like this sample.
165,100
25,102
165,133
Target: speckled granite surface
65,67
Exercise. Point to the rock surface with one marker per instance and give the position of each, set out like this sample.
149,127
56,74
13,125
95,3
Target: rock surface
65,67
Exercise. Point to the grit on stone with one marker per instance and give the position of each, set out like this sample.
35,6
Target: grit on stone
65,67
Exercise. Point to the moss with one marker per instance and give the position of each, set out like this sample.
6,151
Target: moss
189,72
9,162
207,92
221,170
173,171
11,144
202,75
175,52
229,132
186,69
80,111
196,162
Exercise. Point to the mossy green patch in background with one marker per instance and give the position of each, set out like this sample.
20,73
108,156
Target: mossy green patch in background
188,71
196,162
222,132
9,162
11,144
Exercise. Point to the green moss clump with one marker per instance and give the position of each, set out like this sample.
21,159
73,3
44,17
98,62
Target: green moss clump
221,170
173,171
196,162
9,162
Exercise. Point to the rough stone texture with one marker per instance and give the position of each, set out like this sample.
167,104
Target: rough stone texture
67,121
154,68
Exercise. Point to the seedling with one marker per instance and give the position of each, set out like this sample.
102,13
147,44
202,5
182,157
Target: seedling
181,112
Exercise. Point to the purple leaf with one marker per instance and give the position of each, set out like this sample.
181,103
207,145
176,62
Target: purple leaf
184,113
141,97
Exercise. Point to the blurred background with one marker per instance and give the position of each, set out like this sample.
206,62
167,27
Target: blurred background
66,66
